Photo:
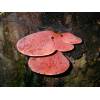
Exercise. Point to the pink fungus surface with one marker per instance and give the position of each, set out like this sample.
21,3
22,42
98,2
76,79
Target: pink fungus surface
49,65
45,49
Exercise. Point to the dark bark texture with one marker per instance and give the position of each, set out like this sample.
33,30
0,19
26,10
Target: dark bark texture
85,58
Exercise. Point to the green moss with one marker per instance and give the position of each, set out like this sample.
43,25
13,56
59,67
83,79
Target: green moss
7,49
18,74
19,80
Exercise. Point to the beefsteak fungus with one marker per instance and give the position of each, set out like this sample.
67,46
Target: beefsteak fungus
45,49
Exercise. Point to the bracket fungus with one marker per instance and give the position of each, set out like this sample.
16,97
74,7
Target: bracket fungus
49,65
45,49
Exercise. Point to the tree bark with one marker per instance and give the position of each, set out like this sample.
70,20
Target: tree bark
84,70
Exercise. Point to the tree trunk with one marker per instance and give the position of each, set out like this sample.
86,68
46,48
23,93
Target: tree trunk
84,70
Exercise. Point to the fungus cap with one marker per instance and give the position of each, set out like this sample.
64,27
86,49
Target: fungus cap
60,45
44,43
36,44
49,65
71,38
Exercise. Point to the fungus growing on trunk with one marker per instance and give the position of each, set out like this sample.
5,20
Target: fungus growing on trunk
71,38
42,44
49,65
45,47
36,44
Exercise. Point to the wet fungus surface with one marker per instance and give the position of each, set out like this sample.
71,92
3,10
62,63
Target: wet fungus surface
45,49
